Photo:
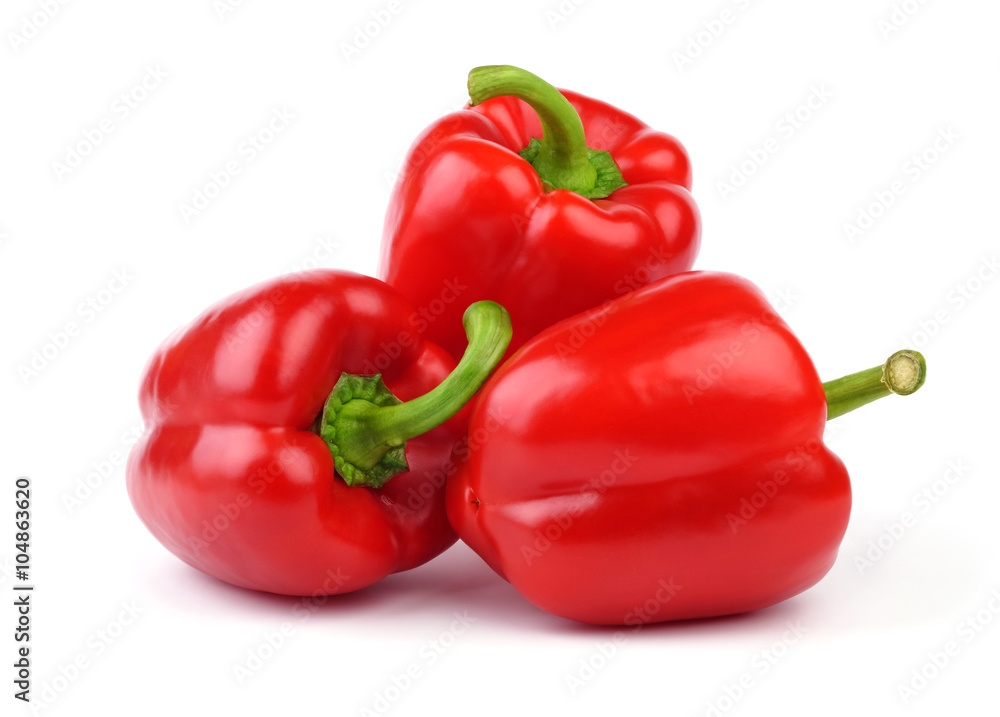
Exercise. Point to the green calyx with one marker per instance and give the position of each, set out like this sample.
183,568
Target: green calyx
366,427
903,373
561,157
370,460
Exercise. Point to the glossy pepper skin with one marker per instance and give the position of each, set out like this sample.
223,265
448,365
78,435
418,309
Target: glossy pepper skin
230,475
470,219
663,460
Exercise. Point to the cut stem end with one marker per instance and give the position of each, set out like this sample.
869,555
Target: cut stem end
902,373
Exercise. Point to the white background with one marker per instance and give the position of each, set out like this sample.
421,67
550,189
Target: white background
324,181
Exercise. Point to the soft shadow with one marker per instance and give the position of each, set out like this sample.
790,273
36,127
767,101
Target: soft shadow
765,621
454,582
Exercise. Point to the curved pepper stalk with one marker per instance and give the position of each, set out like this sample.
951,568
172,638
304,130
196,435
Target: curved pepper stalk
561,157
366,426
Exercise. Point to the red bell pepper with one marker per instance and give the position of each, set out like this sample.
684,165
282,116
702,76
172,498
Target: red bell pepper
665,460
265,463
543,200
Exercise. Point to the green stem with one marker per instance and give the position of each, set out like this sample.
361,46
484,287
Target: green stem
902,373
561,157
366,427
